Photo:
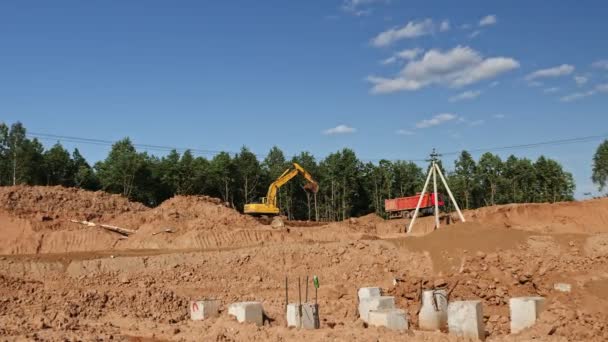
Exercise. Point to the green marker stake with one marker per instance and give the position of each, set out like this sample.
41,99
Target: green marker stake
315,281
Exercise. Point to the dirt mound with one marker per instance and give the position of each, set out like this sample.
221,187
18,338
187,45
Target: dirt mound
51,205
369,219
37,220
188,213
564,217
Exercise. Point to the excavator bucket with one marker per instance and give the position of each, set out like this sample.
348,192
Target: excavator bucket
311,187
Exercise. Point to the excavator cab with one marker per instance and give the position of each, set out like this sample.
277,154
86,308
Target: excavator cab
268,205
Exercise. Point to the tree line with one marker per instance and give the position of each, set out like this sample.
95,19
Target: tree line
348,187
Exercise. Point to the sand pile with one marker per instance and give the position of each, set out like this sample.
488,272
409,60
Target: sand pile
190,213
37,220
192,222
49,207
565,217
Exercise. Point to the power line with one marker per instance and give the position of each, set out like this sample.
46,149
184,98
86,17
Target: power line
101,142
519,146
532,145
163,148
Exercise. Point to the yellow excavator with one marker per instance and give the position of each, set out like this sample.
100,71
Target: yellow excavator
268,205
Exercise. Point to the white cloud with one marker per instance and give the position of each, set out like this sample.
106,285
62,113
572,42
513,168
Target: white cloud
476,123
340,129
576,96
488,20
562,70
602,88
494,84
474,34
354,7
580,80
390,60
467,95
454,68
404,132
407,54
499,116
444,26
601,64
436,120
550,90
362,13
412,29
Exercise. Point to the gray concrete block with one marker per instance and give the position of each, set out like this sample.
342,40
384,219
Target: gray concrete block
393,319
524,312
310,316
368,292
374,303
203,309
433,314
249,312
465,319
562,287
293,315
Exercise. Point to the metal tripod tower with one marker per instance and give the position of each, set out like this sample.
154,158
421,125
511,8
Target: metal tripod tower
434,170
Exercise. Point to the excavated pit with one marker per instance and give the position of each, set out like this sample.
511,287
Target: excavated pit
62,280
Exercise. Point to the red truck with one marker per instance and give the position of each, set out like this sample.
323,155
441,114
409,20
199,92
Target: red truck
404,207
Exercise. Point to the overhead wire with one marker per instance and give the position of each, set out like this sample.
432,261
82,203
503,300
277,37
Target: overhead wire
205,152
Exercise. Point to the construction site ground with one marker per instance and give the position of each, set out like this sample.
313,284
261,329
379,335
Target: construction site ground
61,280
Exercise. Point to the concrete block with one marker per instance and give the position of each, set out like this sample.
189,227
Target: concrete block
203,309
433,314
368,292
374,303
465,319
562,287
249,312
310,316
393,319
524,312
293,315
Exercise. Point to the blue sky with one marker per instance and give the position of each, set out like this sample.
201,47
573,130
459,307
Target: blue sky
390,79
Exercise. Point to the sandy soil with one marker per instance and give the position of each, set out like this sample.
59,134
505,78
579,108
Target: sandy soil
64,281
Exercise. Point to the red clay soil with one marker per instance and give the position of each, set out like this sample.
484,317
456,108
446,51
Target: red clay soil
60,280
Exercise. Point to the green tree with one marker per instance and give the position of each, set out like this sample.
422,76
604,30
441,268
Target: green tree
464,175
600,166
5,160
273,166
117,173
520,180
84,175
408,178
341,180
58,166
489,173
24,157
553,183
300,198
182,175
222,176
248,177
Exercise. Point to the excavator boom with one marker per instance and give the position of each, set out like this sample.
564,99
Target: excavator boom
268,205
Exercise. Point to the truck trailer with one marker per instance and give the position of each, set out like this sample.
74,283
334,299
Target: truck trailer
404,207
